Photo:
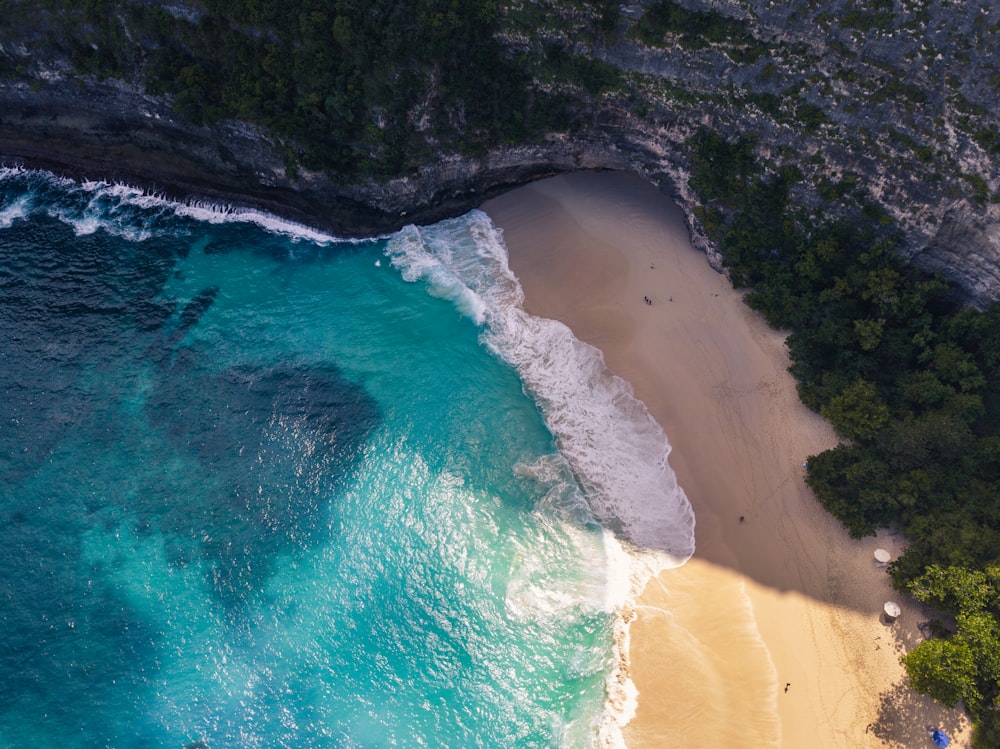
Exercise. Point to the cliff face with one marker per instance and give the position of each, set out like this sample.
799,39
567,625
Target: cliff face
895,99
115,133
890,102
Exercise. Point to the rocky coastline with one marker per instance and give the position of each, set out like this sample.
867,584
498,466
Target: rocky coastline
113,133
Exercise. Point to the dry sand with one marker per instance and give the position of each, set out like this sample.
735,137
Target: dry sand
783,597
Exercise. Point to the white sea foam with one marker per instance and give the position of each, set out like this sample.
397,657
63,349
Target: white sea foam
22,206
10,213
628,571
130,212
215,213
107,196
608,439
616,449
438,266
541,588
34,177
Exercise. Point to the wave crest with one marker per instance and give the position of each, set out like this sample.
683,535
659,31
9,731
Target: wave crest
616,449
130,212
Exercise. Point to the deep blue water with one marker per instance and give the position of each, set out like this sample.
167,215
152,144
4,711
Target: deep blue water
263,488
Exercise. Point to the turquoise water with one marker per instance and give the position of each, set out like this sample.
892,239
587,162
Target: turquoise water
264,488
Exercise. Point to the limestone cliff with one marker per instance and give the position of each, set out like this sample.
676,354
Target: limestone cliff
890,102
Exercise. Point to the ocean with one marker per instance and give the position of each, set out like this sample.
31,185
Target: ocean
262,487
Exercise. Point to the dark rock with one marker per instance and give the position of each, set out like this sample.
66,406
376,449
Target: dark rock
895,100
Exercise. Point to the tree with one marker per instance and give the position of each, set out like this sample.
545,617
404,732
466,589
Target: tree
869,333
945,670
957,589
966,666
858,412
909,381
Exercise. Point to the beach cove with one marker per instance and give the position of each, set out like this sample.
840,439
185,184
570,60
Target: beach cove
216,469
771,634
264,487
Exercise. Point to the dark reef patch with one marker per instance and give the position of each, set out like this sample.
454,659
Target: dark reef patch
274,442
66,304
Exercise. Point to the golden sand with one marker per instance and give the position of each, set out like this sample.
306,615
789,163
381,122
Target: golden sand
776,594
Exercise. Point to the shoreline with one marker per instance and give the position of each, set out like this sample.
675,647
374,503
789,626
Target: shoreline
777,593
831,597
120,135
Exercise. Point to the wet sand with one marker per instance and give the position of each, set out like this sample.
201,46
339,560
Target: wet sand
777,594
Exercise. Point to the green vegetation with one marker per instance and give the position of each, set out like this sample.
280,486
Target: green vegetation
965,666
351,88
329,76
695,30
869,15
810,116
895,90
595,76
980,190
989,140
908,378
770,104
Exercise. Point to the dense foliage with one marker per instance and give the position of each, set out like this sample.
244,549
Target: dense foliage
329,75
964,667
697,29
354,88
908,378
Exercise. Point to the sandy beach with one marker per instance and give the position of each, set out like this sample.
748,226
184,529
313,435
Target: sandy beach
772,634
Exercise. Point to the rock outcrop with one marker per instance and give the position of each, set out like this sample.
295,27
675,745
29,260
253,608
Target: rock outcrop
114,133
895,99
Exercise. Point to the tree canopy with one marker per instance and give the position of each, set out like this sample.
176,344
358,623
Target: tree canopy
909,379
356,89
